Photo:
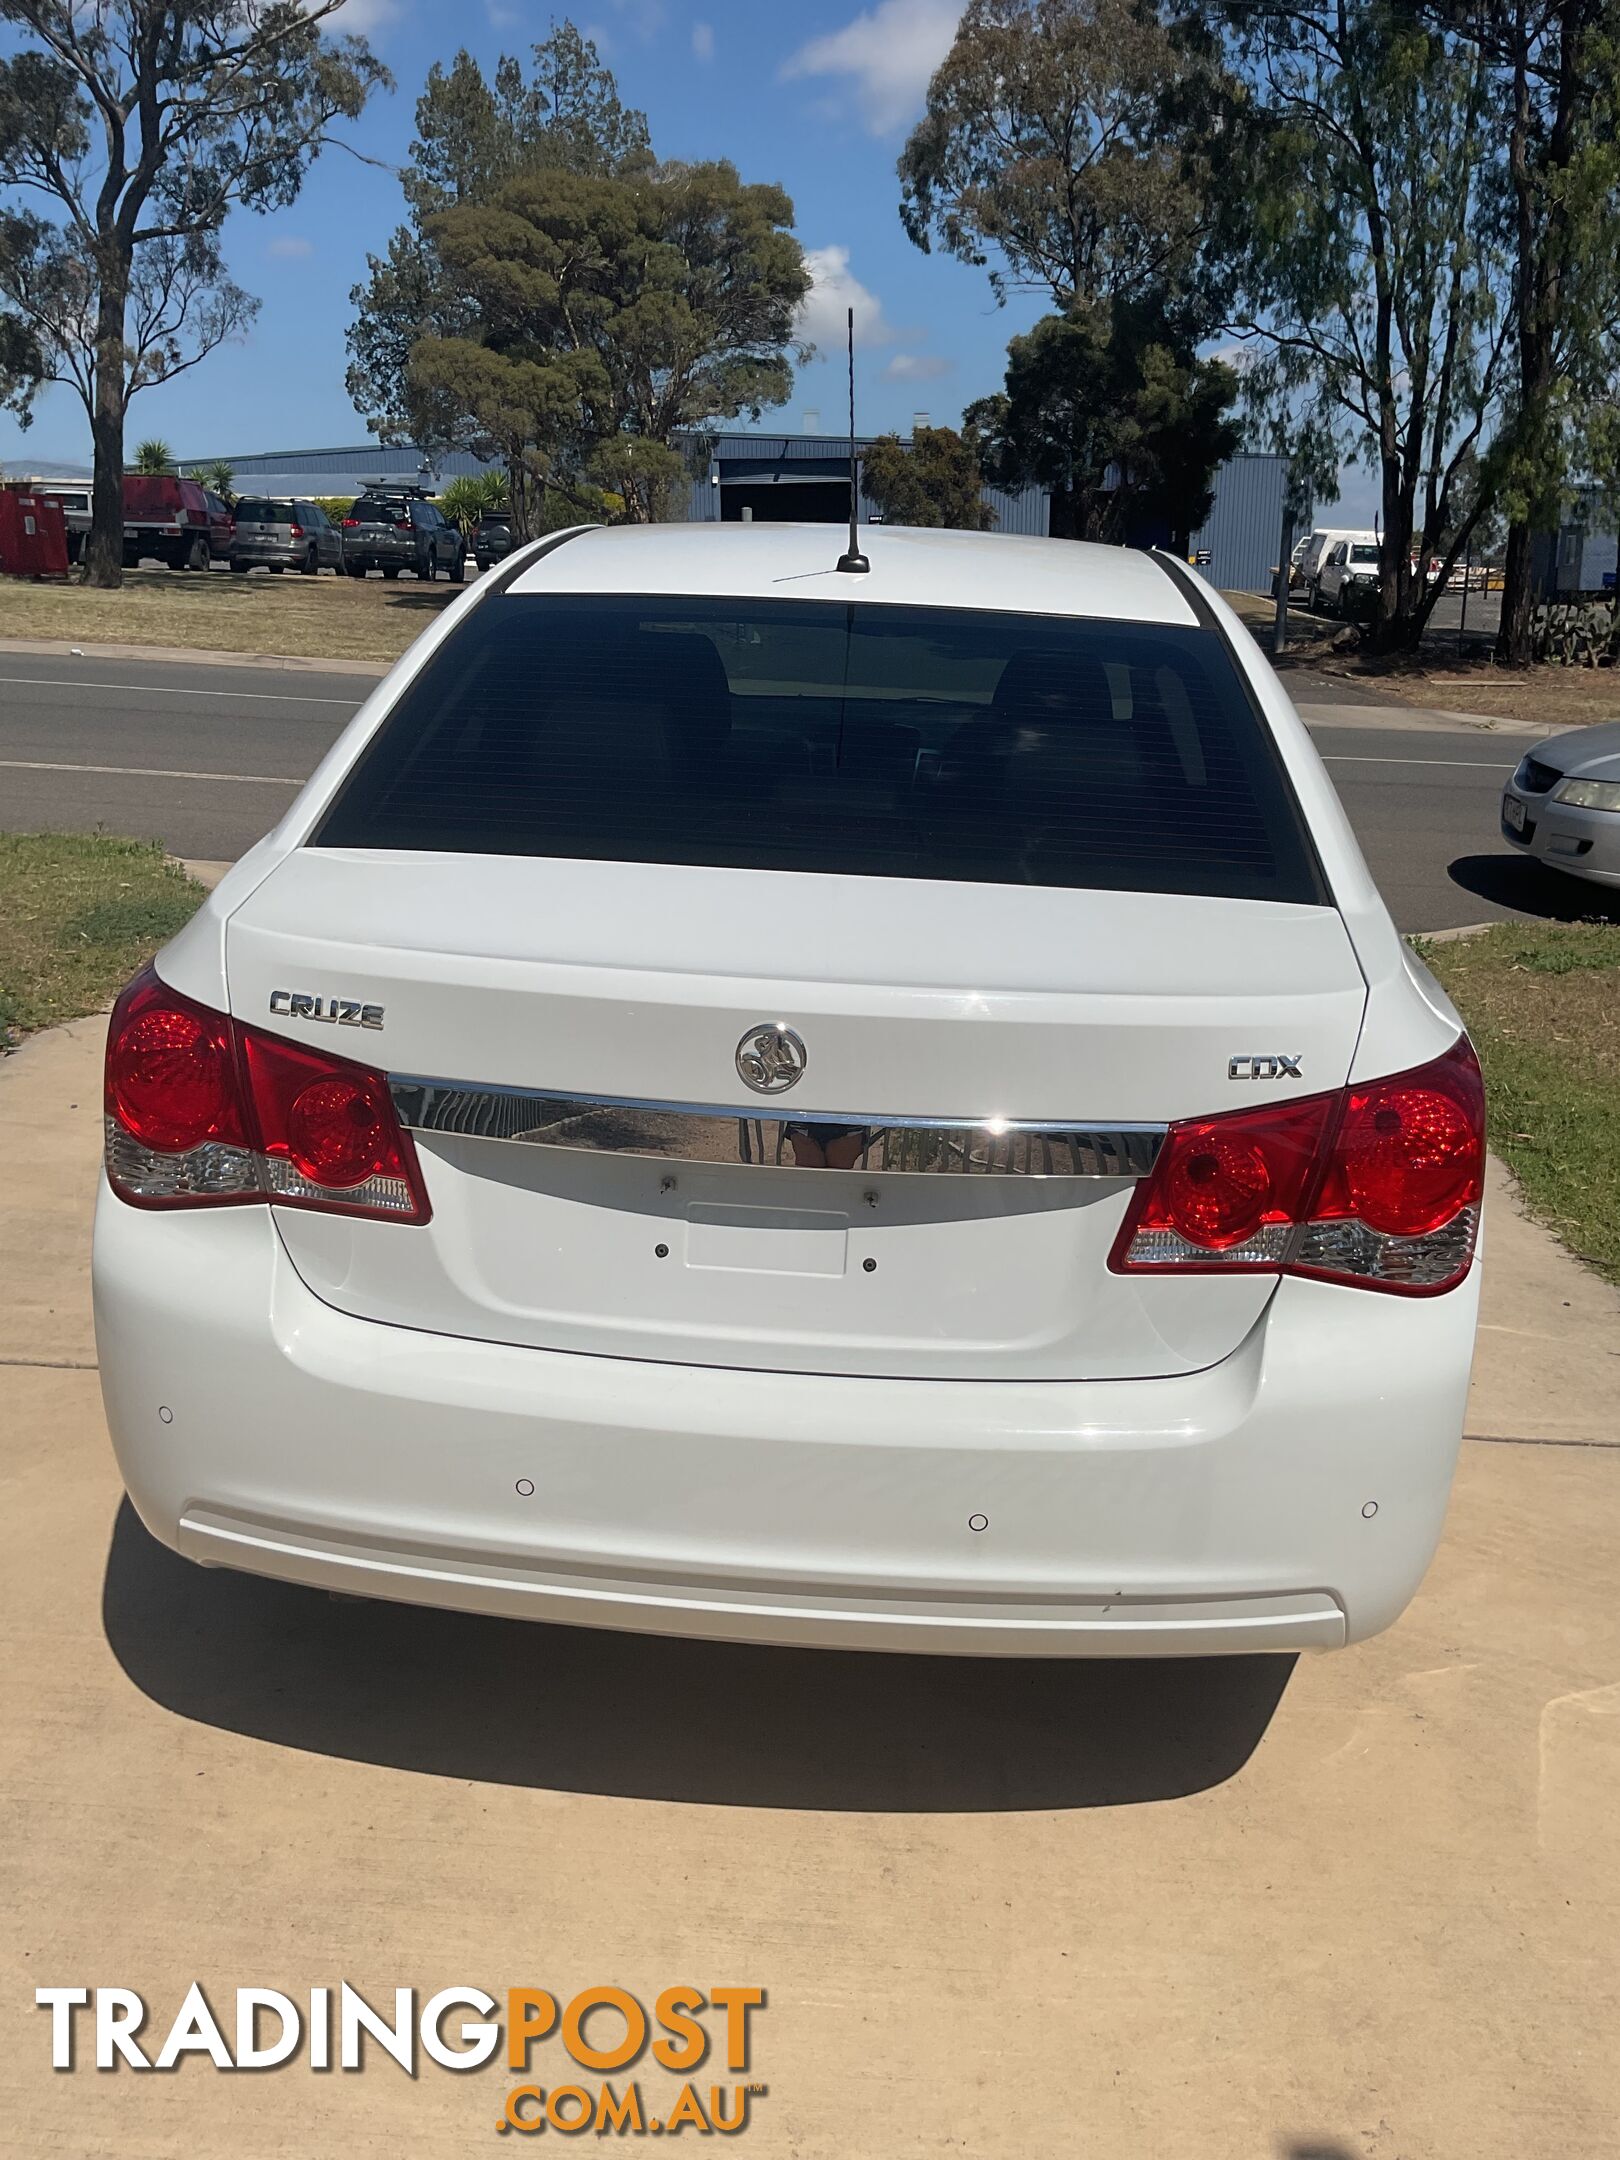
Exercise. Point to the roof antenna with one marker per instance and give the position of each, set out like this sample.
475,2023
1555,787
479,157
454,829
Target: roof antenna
853,559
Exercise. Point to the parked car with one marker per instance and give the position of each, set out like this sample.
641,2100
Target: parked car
1563,803
167,519
1308,560
1348,579
285,534
492,538
747,1101
221,526
392,533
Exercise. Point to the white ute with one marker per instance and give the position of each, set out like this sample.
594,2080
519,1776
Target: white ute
751,1099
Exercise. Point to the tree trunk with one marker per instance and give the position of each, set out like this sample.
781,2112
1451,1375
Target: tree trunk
1513,634
104,548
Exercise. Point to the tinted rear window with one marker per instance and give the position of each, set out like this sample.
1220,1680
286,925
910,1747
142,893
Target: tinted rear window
369,511
257,510
824,736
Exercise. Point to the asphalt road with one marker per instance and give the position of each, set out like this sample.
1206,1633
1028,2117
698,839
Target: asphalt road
205,759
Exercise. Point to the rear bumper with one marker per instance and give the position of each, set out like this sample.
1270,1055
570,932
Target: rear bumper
1223,1511
1586,843
289,554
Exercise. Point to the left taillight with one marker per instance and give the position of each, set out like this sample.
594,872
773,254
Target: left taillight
1379,1185
203,1112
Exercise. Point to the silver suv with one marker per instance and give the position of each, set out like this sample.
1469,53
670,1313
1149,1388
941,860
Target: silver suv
285,535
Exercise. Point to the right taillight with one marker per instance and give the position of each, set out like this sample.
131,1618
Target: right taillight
201,1111
1378,1185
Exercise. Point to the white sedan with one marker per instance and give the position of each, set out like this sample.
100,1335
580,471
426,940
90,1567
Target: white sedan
754,1097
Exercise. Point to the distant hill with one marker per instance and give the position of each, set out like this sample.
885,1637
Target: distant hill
44,468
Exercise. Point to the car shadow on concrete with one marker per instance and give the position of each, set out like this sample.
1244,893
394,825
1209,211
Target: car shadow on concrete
1514,881
643,1717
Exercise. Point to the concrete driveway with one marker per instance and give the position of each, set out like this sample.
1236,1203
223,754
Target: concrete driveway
1367,1905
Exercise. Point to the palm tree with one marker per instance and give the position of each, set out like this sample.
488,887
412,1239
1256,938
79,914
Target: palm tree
465,499
153,456
217,477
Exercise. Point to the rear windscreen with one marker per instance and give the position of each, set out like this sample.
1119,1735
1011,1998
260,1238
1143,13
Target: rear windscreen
824,736
254,510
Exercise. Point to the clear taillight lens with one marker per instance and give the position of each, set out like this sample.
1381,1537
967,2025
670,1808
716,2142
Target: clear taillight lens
202,1111
1378,1185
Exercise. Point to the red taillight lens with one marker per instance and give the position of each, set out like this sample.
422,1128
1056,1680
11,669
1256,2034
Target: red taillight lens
171,1079
404,525
297,531
351,521
1411,1152
200,1110
337,1132
1225,1186
175,1127
328,1132
1379,1185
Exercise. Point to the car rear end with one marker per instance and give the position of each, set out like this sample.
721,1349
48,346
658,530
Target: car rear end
889,1116
378,535
1562,805
270,535
165,519
492,538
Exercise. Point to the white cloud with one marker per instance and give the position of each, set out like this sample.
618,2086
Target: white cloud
887,54
917,367
357,18
703,40
291,246
833,291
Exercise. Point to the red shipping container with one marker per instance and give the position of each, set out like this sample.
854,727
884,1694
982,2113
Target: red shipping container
33,536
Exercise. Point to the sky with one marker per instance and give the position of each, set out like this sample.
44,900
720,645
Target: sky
817,95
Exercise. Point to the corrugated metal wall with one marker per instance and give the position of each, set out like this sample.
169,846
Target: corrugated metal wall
1245,523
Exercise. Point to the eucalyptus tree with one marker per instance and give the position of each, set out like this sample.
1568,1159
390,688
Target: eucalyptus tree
1364,222
1552,113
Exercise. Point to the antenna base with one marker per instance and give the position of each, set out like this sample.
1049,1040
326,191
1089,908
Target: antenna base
854,560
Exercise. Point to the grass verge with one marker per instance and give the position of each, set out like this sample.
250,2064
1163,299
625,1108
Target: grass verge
79,913
1542,1002
292,617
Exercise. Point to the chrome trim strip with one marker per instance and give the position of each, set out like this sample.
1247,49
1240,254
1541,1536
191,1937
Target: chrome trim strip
819,1139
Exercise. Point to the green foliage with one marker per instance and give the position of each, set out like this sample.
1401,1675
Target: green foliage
1050,146
217,477
465,499
936,481
153,456
337,507
603,313
1118,418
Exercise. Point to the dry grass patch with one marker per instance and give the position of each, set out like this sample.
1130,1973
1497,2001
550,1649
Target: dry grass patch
291,617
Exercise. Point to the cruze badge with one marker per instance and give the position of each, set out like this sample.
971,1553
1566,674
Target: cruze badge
771,1058
335,1011
1265,1068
